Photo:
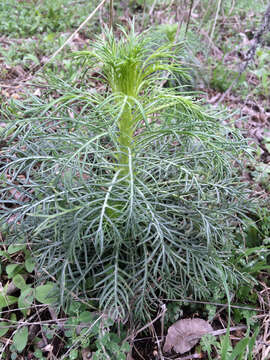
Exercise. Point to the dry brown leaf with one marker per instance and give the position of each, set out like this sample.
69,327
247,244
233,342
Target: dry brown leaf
184,334
5,93
15,96
37,92
86,354
16,194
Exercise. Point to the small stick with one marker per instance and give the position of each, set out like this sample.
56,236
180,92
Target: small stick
189,16
111,14
212,303
72,35
265,26
147,325
152,8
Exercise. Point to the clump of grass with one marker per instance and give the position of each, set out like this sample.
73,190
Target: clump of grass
127,194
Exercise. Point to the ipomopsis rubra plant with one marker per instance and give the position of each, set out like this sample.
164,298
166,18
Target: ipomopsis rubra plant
131,196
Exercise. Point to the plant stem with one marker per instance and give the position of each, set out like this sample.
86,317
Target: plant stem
125,125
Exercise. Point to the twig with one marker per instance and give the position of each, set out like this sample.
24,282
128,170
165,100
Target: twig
224,331
72,35
232,7
75,343
193,356
211,43
137,351
147,325
19,324
215,21
162,320
160,340
111,14
265,26
27,323
178,20
152,8
189,16
213,303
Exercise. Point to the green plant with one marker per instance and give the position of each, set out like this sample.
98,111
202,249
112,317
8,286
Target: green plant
261,175
242,350
26,54
262,71
264,224
110,346
28,18
221,78
18,290
127,193
83,329
173,313
92,332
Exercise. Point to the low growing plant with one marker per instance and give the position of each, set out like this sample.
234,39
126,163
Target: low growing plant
18,297
124,188
27,18
242,351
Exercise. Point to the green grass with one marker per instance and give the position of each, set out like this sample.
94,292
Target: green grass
36,29
30,18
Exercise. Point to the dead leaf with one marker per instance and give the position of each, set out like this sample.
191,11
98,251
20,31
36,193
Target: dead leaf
86,354
5,93
16,194
71,114
37,92
15,96
184,334
48,348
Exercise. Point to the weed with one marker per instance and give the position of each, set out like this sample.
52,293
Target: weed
20,297
262,71
17,266
243,349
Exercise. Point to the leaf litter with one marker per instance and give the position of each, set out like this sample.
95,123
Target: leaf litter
184,334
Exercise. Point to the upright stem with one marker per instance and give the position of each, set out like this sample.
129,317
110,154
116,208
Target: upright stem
125,125
111,15
125,128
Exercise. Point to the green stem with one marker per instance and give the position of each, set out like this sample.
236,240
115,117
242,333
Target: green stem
125,125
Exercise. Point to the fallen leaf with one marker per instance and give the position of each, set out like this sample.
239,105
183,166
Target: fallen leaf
48,348
5,93
86,354
16,194
37,92
184,334
15,96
